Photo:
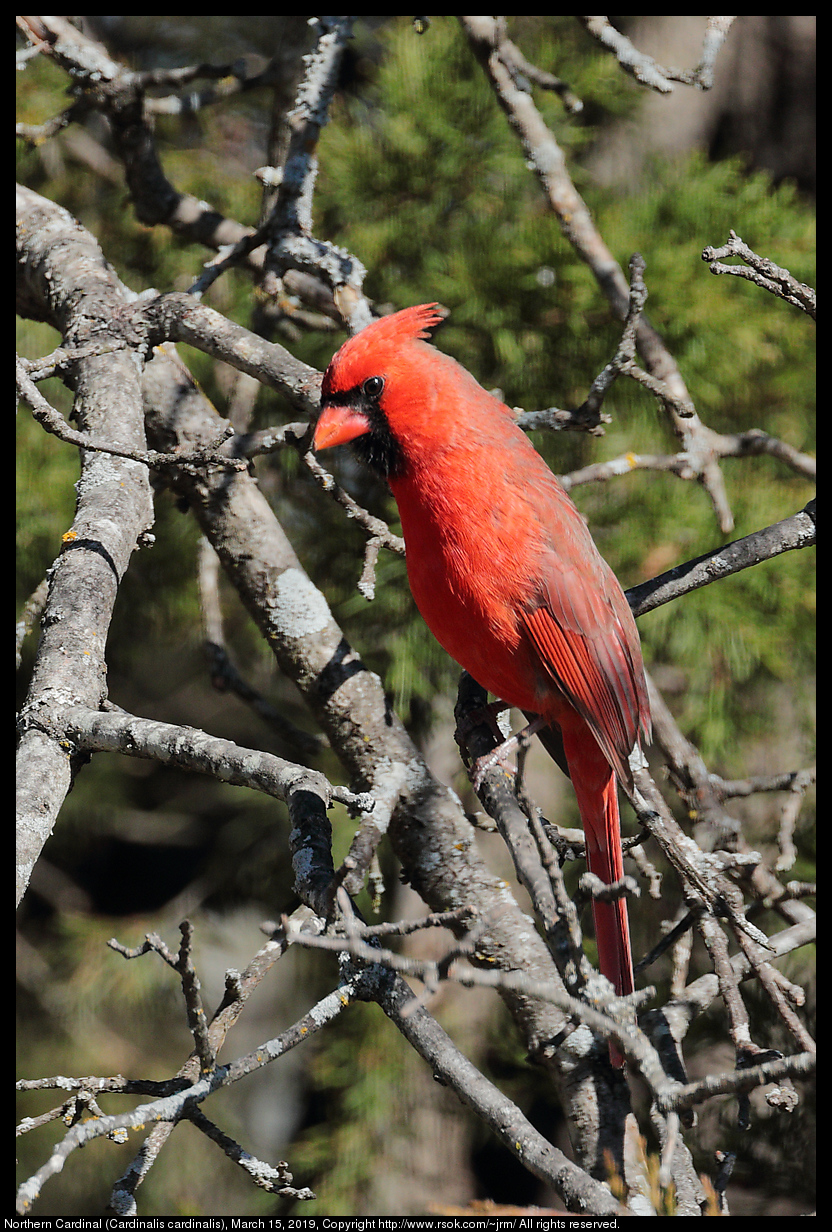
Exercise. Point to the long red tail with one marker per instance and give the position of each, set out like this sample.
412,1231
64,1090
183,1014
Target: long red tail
604,858
595,787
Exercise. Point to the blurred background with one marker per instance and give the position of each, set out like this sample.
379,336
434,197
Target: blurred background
421,178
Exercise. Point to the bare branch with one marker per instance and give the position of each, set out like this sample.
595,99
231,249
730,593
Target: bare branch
168,1108
544,155
182,318
31,613
276,1180
172,1108
742,1080
625,1034
798,531
557,915
762,272
646,70
536,965
687,464
378,531
192,993
62,277
239,987
54,422
120,94
113,730
525,72
231,79
636,63
290,241
624,359
307,793
577,1188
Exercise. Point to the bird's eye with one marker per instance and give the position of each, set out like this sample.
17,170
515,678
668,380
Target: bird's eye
373,386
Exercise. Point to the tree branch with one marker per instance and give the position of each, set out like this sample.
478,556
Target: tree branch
645,69
62,277
798,531
762,272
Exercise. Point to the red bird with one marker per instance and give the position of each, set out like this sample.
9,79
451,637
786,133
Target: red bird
502,568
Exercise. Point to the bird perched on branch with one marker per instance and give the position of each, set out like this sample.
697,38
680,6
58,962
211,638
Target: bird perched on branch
503,569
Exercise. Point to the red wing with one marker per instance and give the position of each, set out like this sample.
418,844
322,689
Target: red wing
585,637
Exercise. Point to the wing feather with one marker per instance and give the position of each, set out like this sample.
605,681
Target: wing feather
585,638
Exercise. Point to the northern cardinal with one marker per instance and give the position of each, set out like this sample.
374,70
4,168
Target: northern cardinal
502,568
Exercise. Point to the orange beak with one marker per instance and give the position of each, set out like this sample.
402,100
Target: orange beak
337,425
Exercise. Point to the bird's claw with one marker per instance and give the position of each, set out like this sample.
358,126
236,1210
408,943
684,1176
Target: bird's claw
479,768
483,764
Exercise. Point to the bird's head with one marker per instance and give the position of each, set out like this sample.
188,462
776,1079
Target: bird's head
378,388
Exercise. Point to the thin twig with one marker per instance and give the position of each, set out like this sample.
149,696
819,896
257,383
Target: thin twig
625,1034
192,993
53,421
742,1080
276,1180
289,233
762,272
172,1108
377,529
646,70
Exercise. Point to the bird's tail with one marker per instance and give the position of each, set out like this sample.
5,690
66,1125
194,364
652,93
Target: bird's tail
595,788
612,930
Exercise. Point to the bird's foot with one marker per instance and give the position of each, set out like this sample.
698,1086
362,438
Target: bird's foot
482,765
